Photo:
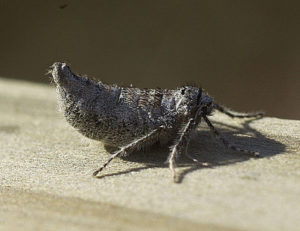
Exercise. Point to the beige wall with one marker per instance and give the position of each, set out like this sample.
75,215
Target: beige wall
244,53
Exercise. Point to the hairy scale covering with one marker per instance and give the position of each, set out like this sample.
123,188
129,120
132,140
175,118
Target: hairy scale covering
118,115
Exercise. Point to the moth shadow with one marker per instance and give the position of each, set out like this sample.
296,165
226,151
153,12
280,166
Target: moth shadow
206,148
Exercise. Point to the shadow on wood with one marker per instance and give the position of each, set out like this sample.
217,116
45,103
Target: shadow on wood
206,148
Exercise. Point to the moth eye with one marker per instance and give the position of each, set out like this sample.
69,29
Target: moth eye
183,91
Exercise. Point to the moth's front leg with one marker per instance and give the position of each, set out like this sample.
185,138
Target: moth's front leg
179,144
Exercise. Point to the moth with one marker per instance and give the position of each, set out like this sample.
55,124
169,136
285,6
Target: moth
130,118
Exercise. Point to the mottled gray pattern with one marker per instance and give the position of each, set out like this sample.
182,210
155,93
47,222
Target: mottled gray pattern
119,115
131,118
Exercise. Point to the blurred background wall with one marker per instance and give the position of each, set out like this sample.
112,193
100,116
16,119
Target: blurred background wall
244,53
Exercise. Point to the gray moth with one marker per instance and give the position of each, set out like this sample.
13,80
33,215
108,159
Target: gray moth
130,118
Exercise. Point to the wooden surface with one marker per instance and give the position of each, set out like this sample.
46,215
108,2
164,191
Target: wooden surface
46,167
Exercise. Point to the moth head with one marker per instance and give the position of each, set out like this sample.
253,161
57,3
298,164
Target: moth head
187,98
205,104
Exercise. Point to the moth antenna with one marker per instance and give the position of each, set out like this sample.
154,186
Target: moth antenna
234,115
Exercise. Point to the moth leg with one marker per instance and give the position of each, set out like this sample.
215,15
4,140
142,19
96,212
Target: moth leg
205,164
233,115
178,145
225,142
130,147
